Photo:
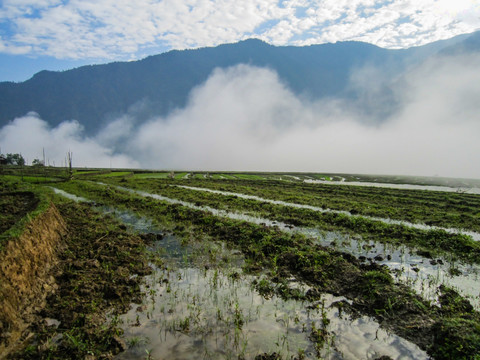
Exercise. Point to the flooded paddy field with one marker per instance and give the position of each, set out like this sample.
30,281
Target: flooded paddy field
261,268
199,303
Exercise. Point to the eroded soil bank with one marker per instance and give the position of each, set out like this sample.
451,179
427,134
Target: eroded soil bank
24,269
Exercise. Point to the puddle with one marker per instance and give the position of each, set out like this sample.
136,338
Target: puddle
475,236
137,223
467,190
419,272
70,196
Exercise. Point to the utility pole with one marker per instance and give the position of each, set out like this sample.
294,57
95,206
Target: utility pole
70,170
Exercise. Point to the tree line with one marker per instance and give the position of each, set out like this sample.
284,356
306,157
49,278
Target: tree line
12,159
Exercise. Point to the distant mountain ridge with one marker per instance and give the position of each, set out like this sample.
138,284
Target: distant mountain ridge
96,93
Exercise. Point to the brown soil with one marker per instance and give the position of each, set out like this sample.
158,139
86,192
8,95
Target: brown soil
24,271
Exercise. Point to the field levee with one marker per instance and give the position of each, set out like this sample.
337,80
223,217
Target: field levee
24,275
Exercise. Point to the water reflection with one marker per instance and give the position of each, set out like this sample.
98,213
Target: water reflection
467,190
200,305
422,274
69,196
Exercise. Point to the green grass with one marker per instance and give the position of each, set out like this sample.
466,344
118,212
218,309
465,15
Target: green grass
180,175
82,172
217,176
32,179
118,173
43,195
225,176
161,175
437,242
199,176
249,177
417,206
322,177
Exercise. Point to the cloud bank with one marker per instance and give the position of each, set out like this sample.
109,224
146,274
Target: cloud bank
30,136
122,29
245,118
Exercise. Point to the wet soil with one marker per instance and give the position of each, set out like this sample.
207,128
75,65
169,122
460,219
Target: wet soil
14,206
99,272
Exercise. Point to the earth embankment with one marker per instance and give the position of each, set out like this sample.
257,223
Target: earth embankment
24,275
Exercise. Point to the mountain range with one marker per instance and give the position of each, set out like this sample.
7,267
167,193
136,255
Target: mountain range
159,84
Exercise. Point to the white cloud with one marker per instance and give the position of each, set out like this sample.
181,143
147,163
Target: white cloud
122,29
231,119
245,119
383,23
109,29
29,135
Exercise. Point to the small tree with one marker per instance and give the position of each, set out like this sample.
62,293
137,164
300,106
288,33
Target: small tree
37,162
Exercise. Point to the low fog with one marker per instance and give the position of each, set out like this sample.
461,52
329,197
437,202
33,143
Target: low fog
245,118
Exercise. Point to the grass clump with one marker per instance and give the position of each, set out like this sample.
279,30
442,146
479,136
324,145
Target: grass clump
20,203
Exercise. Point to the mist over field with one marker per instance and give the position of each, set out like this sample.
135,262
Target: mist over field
245,118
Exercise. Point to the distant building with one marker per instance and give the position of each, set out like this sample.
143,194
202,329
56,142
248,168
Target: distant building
3,160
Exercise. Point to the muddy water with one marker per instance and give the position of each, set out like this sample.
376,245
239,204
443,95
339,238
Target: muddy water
473,190
474,235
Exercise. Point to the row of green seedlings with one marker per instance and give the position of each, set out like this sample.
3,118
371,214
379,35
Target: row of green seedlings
448,209
430,241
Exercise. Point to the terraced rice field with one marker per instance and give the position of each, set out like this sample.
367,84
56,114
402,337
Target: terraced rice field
282,266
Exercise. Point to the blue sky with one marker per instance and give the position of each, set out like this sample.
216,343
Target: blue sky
62,34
